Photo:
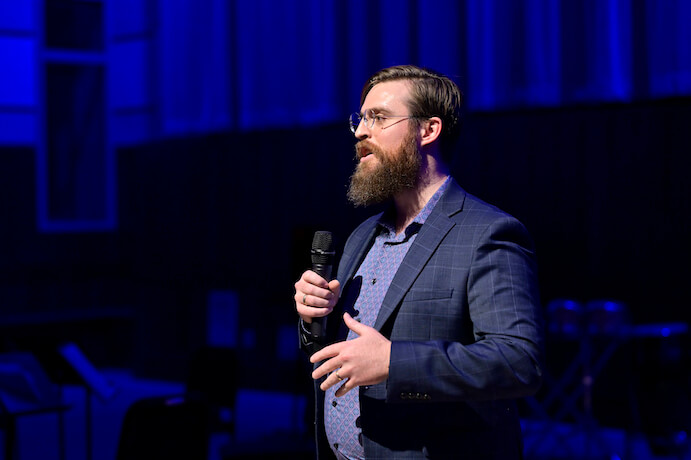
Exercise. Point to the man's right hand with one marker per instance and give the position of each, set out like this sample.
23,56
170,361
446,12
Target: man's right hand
314,296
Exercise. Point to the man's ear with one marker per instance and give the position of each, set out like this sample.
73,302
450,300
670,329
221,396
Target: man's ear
430,130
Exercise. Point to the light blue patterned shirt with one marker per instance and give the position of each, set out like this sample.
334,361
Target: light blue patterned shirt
341,415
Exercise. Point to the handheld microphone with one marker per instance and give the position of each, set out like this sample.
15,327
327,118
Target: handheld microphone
322,264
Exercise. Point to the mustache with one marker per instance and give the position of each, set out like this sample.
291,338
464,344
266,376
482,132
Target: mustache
364,147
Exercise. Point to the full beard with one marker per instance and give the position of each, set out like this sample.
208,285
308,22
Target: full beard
395,172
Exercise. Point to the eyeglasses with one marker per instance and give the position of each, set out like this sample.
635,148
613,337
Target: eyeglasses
372,118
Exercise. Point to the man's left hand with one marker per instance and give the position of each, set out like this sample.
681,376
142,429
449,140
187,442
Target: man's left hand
361,361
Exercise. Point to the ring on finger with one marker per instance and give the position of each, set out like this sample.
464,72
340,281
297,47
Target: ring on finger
340,379
304,298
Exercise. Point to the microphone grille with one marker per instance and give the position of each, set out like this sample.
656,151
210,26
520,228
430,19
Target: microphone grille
322,247
323,241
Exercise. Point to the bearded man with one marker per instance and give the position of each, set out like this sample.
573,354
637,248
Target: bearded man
441,329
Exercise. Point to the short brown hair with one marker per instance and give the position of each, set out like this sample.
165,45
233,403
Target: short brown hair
432,95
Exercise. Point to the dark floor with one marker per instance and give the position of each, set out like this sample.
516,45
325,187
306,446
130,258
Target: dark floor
278,430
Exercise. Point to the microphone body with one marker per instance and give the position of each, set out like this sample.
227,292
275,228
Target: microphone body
322,264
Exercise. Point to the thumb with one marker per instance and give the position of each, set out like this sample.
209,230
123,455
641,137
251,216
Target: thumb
335,287
354,325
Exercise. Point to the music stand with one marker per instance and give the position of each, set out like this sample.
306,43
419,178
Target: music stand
25,389
597,328
67,364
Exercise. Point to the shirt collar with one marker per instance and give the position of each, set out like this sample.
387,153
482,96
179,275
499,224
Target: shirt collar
387,219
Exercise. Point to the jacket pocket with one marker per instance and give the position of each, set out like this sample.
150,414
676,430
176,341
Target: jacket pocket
416,295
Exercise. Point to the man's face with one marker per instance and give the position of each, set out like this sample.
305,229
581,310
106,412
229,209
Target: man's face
388,153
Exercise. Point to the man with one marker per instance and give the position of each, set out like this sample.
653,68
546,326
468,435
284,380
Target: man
441,325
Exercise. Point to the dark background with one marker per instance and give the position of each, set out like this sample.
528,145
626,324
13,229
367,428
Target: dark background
124,205
603,191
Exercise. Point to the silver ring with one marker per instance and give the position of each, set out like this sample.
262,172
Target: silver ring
340,379
304,298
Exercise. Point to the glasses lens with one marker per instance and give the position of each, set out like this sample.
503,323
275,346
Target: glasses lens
354,121
370,116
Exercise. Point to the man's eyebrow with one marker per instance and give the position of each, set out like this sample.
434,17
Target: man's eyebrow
378,111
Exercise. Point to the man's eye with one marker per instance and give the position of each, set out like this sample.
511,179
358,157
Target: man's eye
379,118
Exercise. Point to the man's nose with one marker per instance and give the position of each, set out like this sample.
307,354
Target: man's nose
362,131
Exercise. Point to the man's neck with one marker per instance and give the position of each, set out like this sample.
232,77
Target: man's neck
410,202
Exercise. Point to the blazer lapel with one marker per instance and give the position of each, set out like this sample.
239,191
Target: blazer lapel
433,231
351,261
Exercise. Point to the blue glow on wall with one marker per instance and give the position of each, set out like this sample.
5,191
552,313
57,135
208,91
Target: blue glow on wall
189,68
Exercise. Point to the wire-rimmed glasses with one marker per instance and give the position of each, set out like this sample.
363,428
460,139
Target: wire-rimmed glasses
372,118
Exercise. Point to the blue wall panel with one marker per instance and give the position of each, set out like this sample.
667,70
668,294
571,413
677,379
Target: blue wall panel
669,47
18,15
18,79
18,90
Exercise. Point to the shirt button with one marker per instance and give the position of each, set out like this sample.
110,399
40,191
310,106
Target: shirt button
335,445
334,403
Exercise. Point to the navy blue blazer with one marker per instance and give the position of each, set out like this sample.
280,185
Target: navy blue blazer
464,319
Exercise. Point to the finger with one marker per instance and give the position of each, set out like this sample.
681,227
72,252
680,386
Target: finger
313,278
314,299
309,313
326,352
311,296
310,283
334,378
343,389
329,368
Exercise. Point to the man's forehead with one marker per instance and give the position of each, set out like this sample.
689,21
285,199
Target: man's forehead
388,96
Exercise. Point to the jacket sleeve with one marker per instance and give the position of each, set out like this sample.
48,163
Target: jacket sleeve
309,343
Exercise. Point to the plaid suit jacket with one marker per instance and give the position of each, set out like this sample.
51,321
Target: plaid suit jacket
464,319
